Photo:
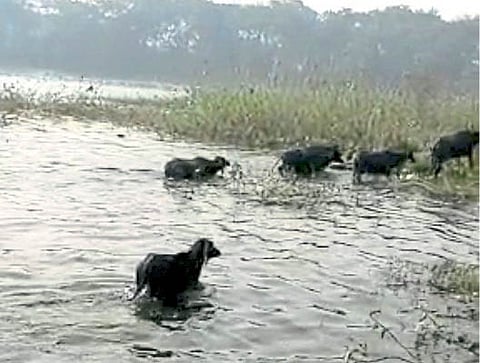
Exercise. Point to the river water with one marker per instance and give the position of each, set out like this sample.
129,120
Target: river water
83,202
53,86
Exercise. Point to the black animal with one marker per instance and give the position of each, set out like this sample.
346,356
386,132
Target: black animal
379,162
166,276
454,146
197,168
310,159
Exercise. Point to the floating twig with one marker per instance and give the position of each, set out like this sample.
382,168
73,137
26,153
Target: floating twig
386,330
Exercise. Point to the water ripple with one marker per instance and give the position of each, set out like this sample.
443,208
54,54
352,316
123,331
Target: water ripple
81,207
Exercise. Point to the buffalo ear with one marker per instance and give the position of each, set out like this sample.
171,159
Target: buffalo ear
205,249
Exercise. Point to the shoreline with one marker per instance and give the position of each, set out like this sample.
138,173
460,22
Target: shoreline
266,118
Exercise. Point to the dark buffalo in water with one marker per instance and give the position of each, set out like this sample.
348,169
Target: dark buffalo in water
454,146
168,275
379,162
197,168
310,159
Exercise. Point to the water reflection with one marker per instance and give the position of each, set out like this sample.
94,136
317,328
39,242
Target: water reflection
175,315
149,352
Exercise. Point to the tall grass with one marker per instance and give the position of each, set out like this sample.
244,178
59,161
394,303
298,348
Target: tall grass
356,116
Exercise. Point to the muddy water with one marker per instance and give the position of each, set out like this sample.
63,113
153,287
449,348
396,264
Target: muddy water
80,206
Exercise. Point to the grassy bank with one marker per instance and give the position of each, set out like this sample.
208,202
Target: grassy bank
360,117
352,115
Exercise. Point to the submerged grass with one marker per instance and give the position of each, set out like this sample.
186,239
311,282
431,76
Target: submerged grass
456,179
354,115
448,277
456,278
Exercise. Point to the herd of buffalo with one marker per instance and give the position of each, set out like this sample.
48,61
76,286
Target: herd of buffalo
165,276
315,158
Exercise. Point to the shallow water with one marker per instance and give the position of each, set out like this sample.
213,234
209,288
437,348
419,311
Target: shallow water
49,86
81,206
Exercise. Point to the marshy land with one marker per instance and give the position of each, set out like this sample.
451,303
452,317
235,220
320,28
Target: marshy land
351,113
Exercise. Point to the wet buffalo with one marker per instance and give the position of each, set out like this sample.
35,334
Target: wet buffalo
310,159
454,146
168,275
197,168
379,162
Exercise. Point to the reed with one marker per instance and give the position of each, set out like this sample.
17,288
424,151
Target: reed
356,117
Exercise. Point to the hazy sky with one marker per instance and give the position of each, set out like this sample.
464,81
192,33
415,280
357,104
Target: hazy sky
448,9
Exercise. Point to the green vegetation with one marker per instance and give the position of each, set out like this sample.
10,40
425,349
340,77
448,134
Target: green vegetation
456,178
446,277
354,116
456,278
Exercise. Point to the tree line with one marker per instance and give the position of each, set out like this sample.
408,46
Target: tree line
197,40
